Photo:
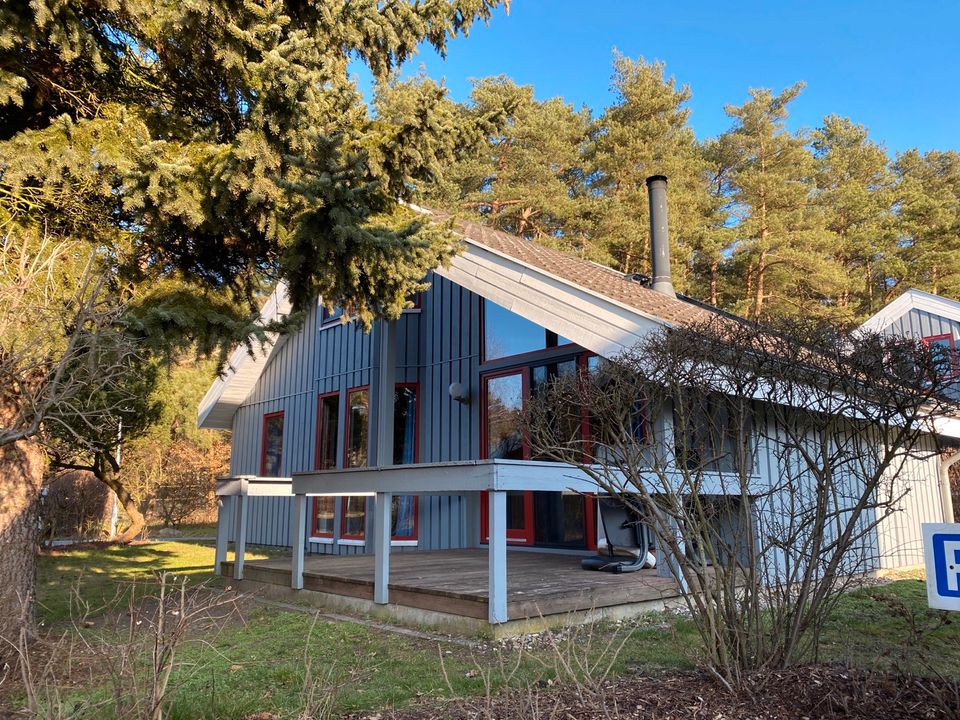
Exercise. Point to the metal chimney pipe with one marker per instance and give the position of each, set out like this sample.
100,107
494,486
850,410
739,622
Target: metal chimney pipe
659,235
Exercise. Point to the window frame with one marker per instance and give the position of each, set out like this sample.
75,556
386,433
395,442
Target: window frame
415,386
322,537
346,538
346,425
263,441
316,453
928,340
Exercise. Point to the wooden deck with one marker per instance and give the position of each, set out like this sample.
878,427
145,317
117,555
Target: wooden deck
455,582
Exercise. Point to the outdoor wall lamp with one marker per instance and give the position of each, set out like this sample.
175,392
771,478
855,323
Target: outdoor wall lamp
460,393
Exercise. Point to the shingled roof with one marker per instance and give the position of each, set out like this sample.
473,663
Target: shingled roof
588,275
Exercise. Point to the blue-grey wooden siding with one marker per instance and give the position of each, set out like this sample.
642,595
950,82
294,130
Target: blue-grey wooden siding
436,345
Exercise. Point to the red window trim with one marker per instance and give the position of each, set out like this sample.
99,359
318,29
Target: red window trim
416,418
320,399
416,459
314,533
263,441
343,520
346,424
954,361
416,524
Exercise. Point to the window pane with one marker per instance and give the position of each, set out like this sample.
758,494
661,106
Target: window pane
504,406
506,333
354,517
404,425
560,519
328,426
941,349
323,516
359,410
516,510
328,317
272,445
403,517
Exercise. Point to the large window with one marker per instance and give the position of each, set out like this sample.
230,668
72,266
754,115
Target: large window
504,407
357,427
271,453
506,334
328,428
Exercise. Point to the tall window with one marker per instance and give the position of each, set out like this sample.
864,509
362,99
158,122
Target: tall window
328,426
405,438
506,334
358,427
405,424
271,453
504,407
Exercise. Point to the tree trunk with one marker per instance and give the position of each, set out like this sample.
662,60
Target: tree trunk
106,472
21,475
714,277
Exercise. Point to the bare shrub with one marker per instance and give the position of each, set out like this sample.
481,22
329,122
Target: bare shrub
130,645
763,459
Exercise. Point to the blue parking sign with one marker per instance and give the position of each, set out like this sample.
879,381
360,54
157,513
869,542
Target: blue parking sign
941,544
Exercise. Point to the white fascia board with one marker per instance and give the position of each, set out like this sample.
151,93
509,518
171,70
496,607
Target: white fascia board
912,299
229,391
589,319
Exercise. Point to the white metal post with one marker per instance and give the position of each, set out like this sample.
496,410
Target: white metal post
225,511
497,557
298,522
240,539
381,540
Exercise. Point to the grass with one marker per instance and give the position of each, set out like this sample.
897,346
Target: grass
259,662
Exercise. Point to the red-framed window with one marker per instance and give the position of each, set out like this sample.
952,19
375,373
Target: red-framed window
353,517
324,517
356,427
405,510
945,354
504,393
271,446
328,430
415,300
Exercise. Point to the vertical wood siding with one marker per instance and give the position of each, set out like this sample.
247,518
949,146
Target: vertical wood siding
436,345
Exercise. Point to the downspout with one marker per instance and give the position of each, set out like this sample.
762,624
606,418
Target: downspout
946,497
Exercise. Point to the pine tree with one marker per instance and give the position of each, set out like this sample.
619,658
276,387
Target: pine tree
782,262
928,221
202,150
646,132
855,196
527,178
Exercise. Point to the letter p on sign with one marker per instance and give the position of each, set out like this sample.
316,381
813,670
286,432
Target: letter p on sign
941,549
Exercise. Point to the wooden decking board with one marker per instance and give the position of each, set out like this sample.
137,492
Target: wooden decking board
455,581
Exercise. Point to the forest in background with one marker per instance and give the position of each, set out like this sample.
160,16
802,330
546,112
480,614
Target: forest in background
764,221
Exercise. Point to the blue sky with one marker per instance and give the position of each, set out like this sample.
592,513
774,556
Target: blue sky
892,66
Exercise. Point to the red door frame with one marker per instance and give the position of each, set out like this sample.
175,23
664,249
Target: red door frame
263,440
519,536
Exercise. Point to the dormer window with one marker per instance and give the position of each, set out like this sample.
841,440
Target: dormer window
944,351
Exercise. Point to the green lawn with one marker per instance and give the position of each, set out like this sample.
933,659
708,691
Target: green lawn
257,662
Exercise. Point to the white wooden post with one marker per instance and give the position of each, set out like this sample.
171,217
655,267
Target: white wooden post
381,541
497,557
298,520
240,539
225,511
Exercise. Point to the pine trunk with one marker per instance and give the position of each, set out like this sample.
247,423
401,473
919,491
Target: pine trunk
714,276
21,475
